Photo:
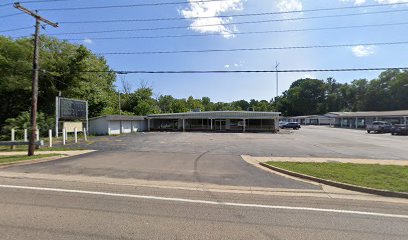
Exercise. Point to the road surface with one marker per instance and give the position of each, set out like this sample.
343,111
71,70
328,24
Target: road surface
196,186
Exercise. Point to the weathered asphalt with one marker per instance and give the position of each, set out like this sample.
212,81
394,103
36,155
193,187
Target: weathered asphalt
196,158
32,214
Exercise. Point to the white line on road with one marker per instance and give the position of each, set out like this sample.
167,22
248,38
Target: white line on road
205,201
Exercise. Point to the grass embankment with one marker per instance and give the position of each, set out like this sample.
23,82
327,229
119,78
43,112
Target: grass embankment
12,159
385,177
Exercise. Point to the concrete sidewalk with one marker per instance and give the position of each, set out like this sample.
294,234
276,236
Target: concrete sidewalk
323,160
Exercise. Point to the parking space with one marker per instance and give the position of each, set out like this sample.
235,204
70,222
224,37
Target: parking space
215,157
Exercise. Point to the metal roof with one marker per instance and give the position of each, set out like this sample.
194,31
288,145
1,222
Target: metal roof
310,116
216,115
121,118
400,113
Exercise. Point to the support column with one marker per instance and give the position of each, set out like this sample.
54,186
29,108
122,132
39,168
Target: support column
184,125
211,124
356,123
244,125
148,124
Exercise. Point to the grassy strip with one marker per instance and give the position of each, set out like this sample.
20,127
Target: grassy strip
385,177
11,159
24,148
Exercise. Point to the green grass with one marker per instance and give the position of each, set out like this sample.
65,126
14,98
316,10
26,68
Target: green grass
11,159
24,148
386,177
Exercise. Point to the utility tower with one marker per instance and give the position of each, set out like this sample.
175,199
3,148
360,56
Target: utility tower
36,68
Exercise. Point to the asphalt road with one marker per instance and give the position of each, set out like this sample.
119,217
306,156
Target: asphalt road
173,214
106,195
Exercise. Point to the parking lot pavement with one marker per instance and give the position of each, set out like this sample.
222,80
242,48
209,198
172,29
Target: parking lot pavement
215,157
310,141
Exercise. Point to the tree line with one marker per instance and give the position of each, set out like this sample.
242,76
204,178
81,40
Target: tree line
74,71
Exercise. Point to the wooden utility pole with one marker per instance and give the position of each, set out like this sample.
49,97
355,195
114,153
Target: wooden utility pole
36,68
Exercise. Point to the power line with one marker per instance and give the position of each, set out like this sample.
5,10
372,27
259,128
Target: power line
242,33
16,29
245,71
229,16
131,5
11,15
203,1
182,27
255,49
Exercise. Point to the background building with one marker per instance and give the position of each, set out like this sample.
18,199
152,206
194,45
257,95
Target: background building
362,119
222,121
312,119
117,124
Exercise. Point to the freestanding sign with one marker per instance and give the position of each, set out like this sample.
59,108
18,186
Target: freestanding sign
70,110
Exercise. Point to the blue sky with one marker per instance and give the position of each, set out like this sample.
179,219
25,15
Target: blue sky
229,87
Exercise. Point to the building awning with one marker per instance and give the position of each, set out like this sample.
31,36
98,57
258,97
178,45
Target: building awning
121,118
401,113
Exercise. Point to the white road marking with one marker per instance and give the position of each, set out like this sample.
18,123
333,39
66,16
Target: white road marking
205,201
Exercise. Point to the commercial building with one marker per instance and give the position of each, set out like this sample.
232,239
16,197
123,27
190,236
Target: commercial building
362,119
222,121
326,119
117,124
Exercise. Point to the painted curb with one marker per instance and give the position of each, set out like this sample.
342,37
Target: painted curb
338,184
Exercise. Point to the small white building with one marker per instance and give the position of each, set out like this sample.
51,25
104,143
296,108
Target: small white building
117,124
326,119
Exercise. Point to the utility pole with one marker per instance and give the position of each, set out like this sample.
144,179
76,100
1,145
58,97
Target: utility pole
277,78
36,68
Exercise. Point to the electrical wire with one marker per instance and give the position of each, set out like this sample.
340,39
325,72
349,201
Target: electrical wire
131,5
232,15
15,29
203,1
245,71
11,15
255,49
242,33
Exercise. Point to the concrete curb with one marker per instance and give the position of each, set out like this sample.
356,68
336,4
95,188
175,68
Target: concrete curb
60,155
33,161
338,184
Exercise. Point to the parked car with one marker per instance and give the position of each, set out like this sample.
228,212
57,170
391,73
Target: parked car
293,125
379,127
399,129
281,123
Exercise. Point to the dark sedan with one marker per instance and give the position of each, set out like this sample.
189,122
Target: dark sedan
399,129
293,125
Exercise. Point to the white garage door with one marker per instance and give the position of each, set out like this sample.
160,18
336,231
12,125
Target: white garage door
114,127
126,126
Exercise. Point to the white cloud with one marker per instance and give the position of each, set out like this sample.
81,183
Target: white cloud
212,10
88,41
235,65
363,51
309,76
289,5
390,1
361,2
356,2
